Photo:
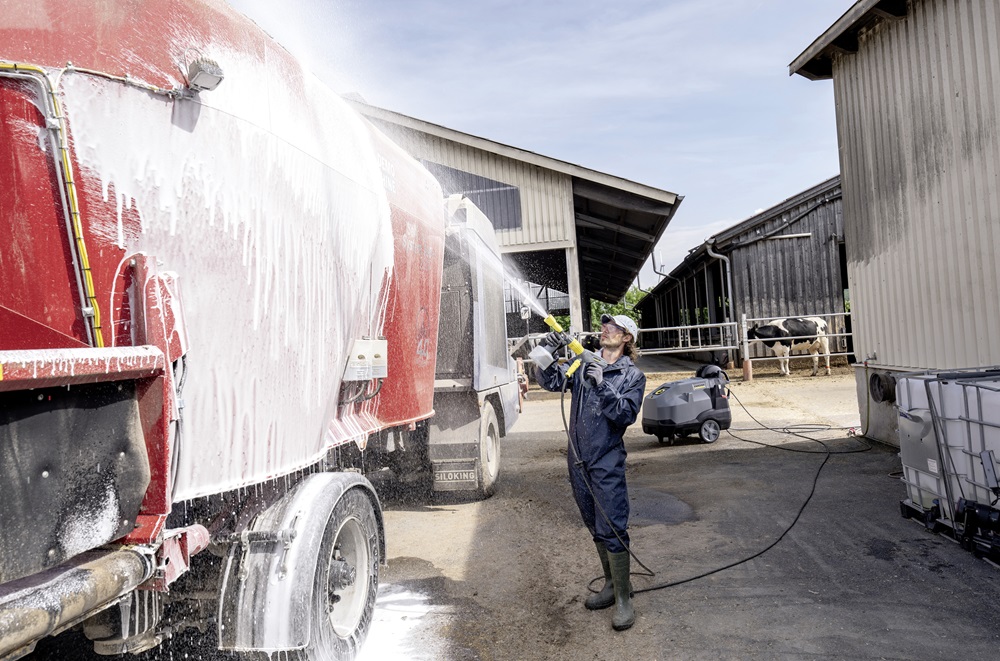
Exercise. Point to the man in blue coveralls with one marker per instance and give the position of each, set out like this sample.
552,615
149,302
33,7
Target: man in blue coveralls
605,401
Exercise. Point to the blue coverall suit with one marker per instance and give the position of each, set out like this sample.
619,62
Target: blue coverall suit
599,416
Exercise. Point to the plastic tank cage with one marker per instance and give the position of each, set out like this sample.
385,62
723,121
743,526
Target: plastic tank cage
949,437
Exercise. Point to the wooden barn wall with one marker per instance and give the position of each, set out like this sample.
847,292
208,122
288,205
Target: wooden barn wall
918,118
771,277
791,277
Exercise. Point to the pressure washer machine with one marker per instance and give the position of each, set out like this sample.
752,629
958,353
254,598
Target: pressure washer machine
699,404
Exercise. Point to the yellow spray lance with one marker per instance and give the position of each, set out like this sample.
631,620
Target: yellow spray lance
543,356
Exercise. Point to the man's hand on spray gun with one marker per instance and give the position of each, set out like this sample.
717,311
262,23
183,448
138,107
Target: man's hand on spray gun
555,340
594,374
559,338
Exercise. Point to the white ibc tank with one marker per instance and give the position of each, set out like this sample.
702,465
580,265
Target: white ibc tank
946,422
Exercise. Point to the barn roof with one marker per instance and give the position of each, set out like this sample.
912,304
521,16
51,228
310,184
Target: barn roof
617,221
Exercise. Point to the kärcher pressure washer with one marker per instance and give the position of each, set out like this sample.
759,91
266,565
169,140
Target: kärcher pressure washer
699,404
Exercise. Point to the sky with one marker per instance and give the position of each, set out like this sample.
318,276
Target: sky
689,96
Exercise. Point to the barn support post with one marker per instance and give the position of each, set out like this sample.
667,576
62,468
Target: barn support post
747,365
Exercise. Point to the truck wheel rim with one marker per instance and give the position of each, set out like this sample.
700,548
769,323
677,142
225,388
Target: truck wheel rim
346,605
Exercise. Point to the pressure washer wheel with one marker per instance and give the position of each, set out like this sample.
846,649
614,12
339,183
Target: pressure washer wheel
709,431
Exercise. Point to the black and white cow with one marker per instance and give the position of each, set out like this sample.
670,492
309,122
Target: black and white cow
811,332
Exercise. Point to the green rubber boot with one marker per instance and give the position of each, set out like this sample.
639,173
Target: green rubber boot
606,597
624,615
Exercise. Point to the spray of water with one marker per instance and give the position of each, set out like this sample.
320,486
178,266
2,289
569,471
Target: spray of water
506,272
520,286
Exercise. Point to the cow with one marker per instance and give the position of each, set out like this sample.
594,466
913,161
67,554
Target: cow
811,332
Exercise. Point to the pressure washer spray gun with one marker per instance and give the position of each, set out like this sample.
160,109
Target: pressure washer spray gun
544,354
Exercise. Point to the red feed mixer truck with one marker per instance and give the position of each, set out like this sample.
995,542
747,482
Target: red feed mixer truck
223,294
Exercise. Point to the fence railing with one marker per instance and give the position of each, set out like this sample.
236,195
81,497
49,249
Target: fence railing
685,339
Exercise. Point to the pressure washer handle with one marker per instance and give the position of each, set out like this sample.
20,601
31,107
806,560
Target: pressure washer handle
574,367
551,322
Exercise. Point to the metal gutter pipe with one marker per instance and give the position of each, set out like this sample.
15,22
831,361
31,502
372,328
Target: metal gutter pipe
680,286
729,283
729,279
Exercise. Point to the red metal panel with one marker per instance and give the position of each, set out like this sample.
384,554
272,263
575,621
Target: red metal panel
158,322
135,37
173,557
21,332
412,320
156,411
38,279
148,528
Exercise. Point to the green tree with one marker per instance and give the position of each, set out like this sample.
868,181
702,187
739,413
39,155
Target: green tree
624,306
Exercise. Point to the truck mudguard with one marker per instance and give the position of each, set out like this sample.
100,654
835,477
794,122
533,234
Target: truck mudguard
267,592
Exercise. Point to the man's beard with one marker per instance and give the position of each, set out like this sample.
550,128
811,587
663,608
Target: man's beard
613,342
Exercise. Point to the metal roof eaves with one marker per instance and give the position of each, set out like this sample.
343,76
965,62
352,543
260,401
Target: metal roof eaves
694,254
856,14
515,153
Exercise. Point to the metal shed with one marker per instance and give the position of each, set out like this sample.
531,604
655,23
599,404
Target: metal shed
785,261
917,88
584,233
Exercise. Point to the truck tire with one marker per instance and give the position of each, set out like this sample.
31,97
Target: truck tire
489,451
342,614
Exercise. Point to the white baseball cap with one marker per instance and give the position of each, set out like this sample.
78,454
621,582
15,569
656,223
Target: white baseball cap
623,322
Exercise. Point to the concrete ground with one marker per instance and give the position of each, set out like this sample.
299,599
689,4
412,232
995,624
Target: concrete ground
844,578
848,578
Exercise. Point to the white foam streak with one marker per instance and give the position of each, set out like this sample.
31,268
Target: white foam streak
275,229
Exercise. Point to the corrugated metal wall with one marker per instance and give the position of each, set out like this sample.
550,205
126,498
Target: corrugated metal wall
546,196
918,112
